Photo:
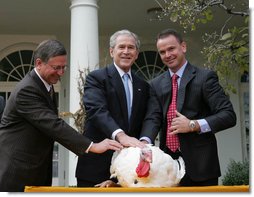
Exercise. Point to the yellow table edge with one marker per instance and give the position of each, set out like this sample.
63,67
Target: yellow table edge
238,188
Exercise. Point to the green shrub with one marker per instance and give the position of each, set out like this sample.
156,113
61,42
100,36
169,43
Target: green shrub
237,173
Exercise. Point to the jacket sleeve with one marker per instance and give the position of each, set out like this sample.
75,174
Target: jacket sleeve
96,95
34,107
154,116
223,115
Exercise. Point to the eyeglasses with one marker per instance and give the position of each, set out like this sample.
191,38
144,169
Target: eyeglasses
58,68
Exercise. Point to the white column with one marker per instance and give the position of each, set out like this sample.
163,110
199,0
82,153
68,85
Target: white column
84,54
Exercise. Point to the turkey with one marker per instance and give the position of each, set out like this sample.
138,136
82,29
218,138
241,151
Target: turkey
147,167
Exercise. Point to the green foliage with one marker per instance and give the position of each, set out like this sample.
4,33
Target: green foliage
188,13
237,173
226,52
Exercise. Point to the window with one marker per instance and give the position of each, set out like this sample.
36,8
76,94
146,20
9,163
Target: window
148,65
14,66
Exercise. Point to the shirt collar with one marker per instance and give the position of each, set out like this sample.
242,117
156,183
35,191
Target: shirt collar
121,72
44,82
180,71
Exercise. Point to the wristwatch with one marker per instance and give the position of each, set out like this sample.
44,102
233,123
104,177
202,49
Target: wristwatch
192,125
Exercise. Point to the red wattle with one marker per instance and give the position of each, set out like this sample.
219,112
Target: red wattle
143,169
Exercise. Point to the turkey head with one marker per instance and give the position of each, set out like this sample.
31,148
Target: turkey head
143,167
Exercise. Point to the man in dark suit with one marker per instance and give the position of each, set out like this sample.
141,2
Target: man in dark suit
106,107
202,109
2,105
30,125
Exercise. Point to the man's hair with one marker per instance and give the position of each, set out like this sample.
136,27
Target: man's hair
48,49
112,41
168,32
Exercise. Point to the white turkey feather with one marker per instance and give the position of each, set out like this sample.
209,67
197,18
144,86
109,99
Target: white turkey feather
164,171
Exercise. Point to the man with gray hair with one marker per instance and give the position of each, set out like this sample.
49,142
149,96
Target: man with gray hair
115,100
30,125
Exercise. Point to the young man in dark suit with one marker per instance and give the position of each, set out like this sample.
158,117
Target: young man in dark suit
106,105
202,109
30,125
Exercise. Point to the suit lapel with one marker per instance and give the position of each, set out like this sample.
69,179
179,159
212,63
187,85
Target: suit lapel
166,89
44,90
137,96
188,74
117,84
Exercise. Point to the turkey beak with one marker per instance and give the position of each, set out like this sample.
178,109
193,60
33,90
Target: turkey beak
149,157
146,155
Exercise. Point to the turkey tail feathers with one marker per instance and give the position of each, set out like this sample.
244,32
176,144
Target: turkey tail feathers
181,167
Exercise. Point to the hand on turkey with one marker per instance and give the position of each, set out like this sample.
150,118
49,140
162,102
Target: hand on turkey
105,145
107,183
128,141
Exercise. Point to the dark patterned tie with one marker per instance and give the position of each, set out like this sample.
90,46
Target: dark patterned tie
51,92
172,141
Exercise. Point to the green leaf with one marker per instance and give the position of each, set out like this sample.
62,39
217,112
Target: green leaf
204,21
243,50
226,36
209,15
174,17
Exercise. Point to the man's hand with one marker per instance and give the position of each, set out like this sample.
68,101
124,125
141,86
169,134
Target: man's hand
105,145
108,183
144,141
180,124
128,141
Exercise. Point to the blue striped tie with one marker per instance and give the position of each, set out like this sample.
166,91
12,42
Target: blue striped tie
127,93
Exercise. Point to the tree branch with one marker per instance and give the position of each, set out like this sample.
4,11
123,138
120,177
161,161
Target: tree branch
229,11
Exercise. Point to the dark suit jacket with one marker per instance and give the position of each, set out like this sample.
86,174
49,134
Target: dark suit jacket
28,129
106,111
199,96
2,105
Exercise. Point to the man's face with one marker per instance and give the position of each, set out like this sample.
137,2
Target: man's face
52,71
125,52
172,52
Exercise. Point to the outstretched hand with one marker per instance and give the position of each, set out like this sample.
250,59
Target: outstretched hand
128,141
108,183
105,145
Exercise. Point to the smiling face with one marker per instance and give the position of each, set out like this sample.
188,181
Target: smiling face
125,52
172,52
47,71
